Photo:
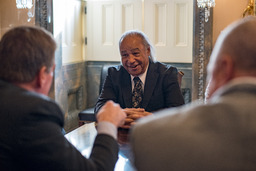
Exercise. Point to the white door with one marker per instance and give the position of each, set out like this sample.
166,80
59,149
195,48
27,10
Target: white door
69,21
106,21
169,25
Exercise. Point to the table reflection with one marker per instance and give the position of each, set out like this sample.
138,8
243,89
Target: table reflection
125,157
83,137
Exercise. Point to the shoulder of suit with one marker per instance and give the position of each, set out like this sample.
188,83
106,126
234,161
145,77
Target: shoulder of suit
116,69
162,67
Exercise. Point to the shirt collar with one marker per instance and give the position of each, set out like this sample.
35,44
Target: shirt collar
141,76
234,82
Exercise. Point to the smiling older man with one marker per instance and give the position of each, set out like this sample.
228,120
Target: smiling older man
157,82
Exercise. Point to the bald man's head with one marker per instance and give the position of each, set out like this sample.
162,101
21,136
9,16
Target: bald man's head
240,43
234,54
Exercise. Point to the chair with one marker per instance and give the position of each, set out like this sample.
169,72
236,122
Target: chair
184,91
180,75
88,115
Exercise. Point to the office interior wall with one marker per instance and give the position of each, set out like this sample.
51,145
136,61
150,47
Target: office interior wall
10,16
225,12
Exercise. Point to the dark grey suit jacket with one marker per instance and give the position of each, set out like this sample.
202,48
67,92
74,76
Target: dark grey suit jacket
161,89
220,135
31,136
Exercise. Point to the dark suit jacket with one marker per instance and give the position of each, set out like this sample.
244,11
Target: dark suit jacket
161,89
31,136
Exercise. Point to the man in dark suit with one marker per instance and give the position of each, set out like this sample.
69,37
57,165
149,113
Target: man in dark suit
218,135
160,87
31,124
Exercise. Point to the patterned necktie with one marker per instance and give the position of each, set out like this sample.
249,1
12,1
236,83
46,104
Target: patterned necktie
137,93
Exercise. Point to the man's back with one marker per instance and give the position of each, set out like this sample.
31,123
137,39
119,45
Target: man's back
25,118
218,136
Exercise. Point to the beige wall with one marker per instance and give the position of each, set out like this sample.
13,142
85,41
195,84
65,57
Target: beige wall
225,12
10,16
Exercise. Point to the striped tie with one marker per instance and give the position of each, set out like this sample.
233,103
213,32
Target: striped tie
137,93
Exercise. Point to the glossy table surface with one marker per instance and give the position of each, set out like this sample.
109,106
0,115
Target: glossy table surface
83,137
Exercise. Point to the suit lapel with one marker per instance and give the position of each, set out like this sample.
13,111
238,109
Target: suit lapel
126,89
150,83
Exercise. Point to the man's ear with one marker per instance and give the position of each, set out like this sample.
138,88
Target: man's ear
227,67
41,77
148,50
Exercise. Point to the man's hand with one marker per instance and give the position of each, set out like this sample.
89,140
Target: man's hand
132,115
111,112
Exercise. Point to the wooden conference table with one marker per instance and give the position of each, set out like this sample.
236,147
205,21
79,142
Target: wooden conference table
83,137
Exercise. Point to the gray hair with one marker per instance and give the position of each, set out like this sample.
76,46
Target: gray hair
145,40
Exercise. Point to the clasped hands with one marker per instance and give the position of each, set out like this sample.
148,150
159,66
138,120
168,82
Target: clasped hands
132,115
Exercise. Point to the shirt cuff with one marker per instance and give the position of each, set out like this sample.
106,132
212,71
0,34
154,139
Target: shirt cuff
107,128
